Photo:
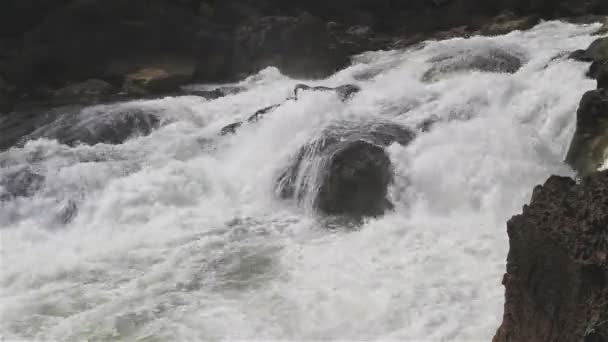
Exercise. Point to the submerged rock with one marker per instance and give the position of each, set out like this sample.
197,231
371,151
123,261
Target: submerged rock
597,53
114,126
21,183
344,92
346,172
496,60
590,141
216,93
557,269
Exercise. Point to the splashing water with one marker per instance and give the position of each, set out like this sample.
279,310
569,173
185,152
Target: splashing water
178,235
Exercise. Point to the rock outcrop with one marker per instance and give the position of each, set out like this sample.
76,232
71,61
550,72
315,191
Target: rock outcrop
97,126
347,171
557,268
344,92
590,141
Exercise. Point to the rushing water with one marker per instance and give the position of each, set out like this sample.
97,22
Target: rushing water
179,235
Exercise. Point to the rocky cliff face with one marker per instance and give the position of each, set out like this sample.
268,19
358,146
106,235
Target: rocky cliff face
557,272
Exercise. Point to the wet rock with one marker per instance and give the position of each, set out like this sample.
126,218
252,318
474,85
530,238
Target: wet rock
356,182
557,269
581,56
258,115
93,88
157,80
216,93
21,183
496,60
596,67
588,146
347,171
230,129
68,212
602,77
508,22
112,126
344,92
598,50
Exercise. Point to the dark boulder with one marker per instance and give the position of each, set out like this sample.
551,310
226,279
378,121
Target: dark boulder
346,172
597,53
598,50
493,59
215,93
107,125
21,183
356,182
557,269
344,92
590,139
581,56
258,115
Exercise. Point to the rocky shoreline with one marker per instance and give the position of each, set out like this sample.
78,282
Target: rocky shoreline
79,52
75,50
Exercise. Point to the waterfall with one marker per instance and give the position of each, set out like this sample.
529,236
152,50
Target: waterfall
177,233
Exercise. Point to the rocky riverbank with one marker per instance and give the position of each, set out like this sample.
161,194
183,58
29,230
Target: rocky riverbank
557,271
72,50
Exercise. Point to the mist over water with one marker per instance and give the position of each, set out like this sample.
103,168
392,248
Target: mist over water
179,235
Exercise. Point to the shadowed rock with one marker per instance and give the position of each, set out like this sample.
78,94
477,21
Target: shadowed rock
347,171
114,126
590,140
495,60
557,269
344,92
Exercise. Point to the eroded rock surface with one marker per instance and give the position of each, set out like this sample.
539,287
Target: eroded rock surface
557,269
347,171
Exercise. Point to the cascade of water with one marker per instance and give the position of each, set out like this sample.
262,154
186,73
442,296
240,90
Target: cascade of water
178,234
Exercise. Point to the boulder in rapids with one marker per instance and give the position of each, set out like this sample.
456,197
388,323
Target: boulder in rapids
344,92
557,268
216,93
590,141
493,59
21,183
102,125
346,172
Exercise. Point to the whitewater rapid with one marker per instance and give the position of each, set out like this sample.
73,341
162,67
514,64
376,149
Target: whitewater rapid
179,235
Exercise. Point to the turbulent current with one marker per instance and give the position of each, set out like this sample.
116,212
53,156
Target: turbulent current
180,234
